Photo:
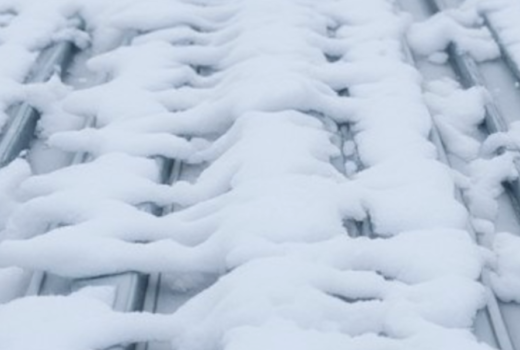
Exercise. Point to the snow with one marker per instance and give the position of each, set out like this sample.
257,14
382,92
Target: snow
502,16
280,335
248,90
11,177
439,31
501,141
421,181
487,177
506,267
457,113
489,163
82,320
280,291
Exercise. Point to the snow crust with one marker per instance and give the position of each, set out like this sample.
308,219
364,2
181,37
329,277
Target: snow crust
253,90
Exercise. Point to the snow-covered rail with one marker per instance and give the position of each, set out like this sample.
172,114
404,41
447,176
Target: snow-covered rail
499,113
19,131
19,135
268,109
498,78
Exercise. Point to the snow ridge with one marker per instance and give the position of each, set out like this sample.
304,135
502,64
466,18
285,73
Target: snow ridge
246,87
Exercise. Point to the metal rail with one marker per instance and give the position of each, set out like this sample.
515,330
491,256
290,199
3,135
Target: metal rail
491,320
150,300
130,287
19,130
468,71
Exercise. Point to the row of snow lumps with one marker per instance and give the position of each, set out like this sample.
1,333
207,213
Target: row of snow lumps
217,184
118,179
268,210
115,178
458,115
106,107
238,66
392,125
502,16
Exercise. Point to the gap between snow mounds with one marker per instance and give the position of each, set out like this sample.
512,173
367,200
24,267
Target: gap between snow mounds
503,328
225,331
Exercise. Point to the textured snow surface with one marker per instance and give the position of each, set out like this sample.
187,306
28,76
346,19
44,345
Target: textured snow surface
82,320
502,15
497,160
434,35
253,91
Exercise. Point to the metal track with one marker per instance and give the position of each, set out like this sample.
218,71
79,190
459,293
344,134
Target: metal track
491,322
19,131
469,72
130,287
137,291
151,298
133,290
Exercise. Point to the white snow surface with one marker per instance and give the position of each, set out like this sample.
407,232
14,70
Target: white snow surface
498,162
82,320
502,15
247,88
444,28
